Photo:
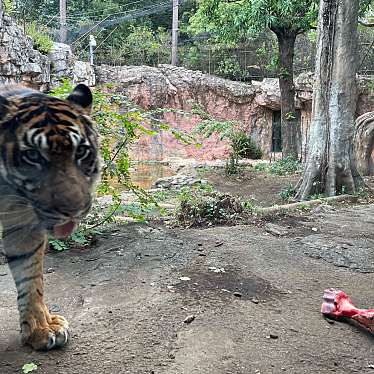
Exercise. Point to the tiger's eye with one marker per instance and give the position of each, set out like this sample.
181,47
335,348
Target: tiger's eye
81,151
33,155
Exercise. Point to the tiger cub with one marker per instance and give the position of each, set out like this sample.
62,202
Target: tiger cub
48,168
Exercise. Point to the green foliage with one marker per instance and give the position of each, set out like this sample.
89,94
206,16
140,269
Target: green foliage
232,166
200,207
8,6
229,68
250,206
41,40
235,21
119,124
145,46
243,145
28,368
288,193
284,166
316,196
262,166
369,85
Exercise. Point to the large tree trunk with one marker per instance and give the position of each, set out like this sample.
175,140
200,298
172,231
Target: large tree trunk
364,143
290,127
330,166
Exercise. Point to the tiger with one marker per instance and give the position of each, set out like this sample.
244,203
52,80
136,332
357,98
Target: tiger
49,165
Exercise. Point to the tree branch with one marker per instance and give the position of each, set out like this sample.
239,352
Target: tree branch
366,24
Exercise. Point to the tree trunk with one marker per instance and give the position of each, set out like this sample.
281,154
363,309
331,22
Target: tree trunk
330,167
290,127
364,143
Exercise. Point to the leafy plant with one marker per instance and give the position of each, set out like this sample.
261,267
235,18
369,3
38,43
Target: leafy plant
40,38
316,196
143,46
250,206
200,207
119,124
262,166
8,6
288,193
229,68
28,368
243,145
232,166
284,166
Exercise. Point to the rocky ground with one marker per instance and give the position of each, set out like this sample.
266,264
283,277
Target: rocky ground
254,297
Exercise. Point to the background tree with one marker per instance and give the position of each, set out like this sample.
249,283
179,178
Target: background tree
235,21
330,166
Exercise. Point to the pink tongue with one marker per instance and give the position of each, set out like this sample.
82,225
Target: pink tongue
63,231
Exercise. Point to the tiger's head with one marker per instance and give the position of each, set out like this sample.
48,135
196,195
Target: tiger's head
49,154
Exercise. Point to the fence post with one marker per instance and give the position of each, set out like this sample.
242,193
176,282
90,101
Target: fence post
174,37
63,31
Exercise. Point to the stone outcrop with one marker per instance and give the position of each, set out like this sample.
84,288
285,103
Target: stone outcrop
19,61
65,65
252,105
83,72
62,62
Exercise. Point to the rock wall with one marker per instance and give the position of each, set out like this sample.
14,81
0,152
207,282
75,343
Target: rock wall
21,63
178,88
65,65
252,105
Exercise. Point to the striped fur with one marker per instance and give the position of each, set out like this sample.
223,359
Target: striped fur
48,167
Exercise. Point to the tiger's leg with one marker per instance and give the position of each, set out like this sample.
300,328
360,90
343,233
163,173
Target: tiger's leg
39,328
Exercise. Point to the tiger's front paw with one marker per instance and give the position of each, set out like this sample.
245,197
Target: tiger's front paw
52,333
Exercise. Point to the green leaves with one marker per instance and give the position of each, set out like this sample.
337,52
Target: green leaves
40,38
234,21
28,368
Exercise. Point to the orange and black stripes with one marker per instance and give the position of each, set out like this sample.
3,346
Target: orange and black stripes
48,166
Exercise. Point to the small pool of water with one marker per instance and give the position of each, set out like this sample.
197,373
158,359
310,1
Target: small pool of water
145,174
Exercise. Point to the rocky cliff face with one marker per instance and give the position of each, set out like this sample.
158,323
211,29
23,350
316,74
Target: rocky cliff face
65,65
253,105
19,61
173,87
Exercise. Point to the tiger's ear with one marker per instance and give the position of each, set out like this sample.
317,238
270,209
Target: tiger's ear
81,96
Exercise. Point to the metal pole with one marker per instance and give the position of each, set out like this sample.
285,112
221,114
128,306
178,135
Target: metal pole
174,36
63,31
92,46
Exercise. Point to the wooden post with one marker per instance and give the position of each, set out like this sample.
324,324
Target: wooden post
174,37
63,31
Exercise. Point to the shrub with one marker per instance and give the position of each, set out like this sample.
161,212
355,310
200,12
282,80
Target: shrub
288,193
143,46
232,166
41,40
199,208
244,146
284,166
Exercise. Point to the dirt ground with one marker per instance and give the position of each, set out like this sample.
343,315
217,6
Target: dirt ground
126,302
262,187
